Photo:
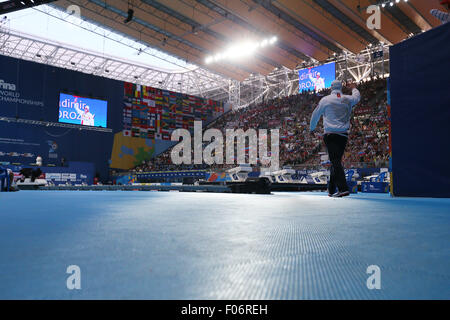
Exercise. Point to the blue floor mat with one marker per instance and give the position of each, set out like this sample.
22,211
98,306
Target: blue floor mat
170,245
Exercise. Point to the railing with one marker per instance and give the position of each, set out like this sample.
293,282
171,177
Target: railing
351,165
55,124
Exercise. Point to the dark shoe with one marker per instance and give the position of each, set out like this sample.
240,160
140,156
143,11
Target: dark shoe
345,193
341,194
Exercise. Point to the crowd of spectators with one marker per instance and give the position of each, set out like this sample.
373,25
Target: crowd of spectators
368,139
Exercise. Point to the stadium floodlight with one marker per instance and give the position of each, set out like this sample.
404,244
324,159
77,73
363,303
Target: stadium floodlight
241,50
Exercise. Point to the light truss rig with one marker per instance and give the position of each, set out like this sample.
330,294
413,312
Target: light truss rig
192,80
187,79
284,82
29,47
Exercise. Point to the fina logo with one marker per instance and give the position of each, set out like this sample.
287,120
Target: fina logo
7,86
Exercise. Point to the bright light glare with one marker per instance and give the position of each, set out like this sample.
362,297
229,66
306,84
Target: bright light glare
241,50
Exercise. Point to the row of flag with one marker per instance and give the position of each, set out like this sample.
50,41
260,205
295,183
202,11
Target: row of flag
154,113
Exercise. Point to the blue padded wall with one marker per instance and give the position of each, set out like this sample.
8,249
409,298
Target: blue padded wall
31,91
420,114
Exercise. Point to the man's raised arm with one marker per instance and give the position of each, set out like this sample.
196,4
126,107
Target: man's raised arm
77,109
356,96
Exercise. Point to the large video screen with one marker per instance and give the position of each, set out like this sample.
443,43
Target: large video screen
83,111
317,78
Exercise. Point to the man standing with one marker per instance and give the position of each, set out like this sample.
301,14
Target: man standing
319,83
336,109
87,118
39,161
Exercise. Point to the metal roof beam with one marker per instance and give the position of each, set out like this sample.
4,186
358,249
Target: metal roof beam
232,17
55,54
159,30
148,25
199,27
16,5
404,20
335,12
266,4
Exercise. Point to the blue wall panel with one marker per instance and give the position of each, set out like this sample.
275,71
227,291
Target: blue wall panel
53,143
420,114
30,90
43,83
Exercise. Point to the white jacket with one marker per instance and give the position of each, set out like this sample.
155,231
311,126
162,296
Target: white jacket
336,109
319,83
87,118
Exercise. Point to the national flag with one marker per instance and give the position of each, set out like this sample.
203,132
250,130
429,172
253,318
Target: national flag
128,88
148,102
158,123
137,92
134,132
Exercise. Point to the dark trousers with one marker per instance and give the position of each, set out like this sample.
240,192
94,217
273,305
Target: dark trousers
336,146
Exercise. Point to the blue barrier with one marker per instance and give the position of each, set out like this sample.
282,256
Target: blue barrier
126,179
4,180
420,114
375,187
172,174
352,186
